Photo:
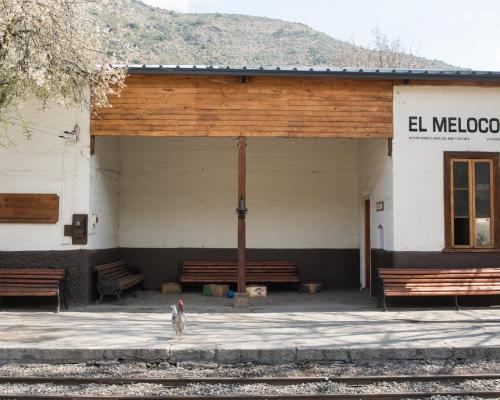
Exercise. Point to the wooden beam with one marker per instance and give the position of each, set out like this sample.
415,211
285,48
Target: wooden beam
194,106
241,215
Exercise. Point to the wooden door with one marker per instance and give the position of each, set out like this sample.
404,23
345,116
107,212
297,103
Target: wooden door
368,248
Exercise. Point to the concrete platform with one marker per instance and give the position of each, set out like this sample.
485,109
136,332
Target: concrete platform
285,327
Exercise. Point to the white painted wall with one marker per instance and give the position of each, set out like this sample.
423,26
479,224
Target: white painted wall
104,193
302,193
375,183
181,192
418,163
178,192
46,164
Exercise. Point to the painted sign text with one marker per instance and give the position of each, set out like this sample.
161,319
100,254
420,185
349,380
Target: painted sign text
453,125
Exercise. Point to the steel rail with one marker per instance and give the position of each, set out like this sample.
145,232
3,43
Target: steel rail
337,396
277,380
359,380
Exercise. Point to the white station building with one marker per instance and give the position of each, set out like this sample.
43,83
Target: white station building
347,171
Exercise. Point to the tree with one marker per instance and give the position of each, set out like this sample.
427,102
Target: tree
381,53
54,51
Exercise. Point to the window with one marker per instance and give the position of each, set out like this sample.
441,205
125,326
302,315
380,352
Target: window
470,195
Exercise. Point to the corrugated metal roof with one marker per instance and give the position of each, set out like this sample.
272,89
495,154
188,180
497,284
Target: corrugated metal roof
364,73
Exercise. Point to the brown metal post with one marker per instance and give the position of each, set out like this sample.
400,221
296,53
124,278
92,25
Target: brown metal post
241,214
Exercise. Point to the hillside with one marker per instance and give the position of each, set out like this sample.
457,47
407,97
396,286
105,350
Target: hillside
156,36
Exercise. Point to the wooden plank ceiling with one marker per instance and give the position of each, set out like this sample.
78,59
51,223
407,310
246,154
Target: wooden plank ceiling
173,105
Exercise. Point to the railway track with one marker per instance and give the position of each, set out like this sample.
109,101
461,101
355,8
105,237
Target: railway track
361,396
286,380
358,381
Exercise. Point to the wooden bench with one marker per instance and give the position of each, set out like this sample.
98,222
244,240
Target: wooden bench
113,278
33,282
227,272
438,282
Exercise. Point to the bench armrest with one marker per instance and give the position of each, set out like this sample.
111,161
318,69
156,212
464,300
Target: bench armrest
108,285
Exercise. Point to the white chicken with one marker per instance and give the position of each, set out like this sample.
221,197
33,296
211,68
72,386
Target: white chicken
178,319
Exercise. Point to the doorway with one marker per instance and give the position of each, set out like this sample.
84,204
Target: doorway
367,244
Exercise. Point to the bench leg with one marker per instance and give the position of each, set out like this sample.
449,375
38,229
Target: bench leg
381,300
101,296
132,293
120,300
456,303
5,301
58,302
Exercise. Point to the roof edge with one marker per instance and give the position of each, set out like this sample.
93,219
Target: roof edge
334,72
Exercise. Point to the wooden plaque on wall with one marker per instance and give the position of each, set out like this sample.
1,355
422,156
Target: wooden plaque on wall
29,208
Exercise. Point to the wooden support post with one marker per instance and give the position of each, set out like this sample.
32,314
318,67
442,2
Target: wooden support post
92,145
241,214
241,297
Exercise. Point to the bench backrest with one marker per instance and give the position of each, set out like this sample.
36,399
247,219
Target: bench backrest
227,271
440,281
216,267
438,274
115,270
31,277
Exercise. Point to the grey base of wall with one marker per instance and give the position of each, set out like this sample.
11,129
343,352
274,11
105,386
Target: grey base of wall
335,268
78,265
429,259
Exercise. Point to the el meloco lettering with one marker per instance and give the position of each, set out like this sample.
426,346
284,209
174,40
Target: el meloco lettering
454,125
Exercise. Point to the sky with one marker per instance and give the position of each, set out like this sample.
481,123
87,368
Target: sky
461,32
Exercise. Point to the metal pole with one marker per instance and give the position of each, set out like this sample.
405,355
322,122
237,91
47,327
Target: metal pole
241,214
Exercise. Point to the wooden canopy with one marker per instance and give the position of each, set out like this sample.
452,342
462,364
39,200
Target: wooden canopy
183,105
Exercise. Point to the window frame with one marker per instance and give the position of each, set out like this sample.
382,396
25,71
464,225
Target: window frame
471,158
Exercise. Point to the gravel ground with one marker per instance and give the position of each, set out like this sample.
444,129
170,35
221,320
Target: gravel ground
139,369
192,369
255,389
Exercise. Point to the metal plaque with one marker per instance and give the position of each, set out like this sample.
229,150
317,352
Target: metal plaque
29,208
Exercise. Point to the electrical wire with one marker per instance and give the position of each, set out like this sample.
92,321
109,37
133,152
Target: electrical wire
45,129
58,133
18,119
34,129
38,126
